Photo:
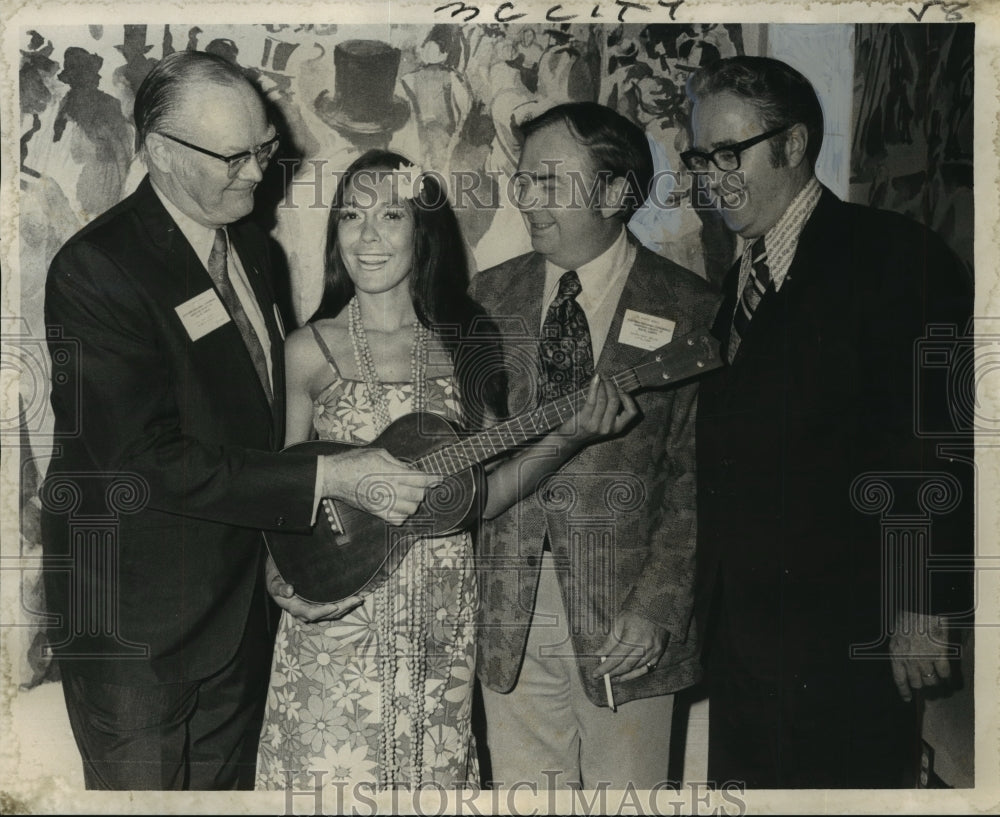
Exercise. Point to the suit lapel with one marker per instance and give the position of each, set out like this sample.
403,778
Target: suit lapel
807,262
527,288
260,285
640,294
190,278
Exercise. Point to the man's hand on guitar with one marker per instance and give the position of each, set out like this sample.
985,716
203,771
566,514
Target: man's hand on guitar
607,412
376,482
284,596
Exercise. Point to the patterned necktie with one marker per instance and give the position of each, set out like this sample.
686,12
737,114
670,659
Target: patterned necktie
756,287
217,269
565,350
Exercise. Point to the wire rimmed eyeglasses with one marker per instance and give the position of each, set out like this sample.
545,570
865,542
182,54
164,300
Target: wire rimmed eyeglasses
235,163
726,157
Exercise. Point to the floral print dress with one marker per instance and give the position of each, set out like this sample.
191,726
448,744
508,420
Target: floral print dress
384,694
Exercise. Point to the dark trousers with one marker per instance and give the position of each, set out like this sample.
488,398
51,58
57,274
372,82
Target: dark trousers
824,726
194,735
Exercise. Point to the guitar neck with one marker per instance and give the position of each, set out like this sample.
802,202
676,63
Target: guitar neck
487,444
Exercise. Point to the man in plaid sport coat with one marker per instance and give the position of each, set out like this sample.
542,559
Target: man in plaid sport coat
599,561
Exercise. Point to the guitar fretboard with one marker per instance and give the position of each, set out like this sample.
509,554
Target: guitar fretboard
484,445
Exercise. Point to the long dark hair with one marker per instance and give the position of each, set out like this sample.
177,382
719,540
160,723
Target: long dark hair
438,285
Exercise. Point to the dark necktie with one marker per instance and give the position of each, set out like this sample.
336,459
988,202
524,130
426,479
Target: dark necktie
218,270
565,350
756,287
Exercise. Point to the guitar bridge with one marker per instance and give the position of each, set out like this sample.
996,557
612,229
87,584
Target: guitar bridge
332,516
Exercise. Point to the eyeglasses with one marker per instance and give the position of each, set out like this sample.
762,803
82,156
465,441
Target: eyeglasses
262,153
726,157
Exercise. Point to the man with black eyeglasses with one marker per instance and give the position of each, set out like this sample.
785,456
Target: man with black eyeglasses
817,640
164,477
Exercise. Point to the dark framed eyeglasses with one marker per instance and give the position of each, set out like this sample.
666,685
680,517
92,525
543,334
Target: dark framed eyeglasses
726,157
262,153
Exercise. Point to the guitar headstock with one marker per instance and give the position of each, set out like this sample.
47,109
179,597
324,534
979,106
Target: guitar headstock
689,355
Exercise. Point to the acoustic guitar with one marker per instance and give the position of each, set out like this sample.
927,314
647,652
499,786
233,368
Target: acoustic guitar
350,551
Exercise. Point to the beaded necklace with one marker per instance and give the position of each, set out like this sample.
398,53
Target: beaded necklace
366,365
416,654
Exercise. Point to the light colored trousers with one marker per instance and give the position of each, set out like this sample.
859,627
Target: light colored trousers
546,733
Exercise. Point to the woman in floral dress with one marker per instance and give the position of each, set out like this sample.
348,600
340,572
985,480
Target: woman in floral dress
377,689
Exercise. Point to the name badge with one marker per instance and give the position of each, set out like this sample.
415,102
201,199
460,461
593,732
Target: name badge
647,332
202,314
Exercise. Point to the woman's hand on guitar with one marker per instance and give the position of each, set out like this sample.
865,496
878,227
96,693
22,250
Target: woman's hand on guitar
606,413
284,596
376,482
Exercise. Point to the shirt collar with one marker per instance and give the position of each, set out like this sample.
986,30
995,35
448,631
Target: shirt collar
782,239
598,274
200,237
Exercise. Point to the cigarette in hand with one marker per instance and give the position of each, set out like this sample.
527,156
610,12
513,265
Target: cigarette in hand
607,688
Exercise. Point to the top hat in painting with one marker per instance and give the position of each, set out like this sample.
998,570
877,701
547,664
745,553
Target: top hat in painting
363,83
134,42
276,55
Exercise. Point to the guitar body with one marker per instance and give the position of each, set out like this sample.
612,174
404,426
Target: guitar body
350,551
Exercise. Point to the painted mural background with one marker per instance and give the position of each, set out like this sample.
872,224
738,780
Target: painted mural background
913,126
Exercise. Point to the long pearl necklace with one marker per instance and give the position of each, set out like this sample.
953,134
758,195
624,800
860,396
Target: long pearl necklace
366,365
385,594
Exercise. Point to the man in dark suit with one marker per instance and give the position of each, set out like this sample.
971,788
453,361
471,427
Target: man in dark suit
802,439
167,421
598,563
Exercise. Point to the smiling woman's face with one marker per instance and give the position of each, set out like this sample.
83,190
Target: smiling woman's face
375,237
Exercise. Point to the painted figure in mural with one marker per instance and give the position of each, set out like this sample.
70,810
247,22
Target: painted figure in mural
554,605
134,49
377,689
440,96
169,414
820,320
36,92
99,136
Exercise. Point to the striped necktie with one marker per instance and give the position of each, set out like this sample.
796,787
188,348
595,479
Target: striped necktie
755,289
565,350
218,270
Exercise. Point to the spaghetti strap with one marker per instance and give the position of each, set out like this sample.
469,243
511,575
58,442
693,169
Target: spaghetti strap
324,349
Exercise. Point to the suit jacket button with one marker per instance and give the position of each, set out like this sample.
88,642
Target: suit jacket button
279,521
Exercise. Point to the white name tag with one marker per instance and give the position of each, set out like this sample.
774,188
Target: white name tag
645,331
202,314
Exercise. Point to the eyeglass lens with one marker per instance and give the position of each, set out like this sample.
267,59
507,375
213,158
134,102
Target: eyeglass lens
262,154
